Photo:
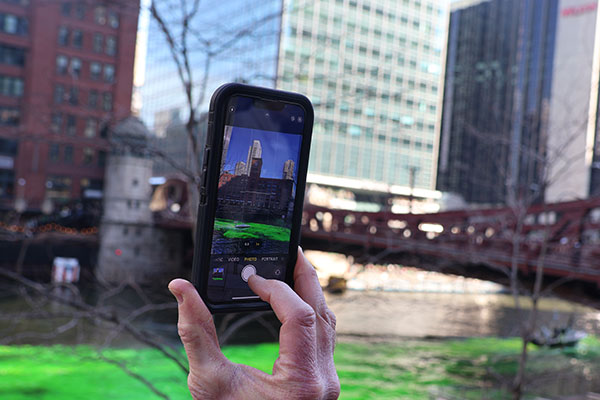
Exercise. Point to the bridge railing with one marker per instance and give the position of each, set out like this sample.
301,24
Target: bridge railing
567,234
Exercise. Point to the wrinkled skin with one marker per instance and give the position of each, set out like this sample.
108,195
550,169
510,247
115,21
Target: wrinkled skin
304,368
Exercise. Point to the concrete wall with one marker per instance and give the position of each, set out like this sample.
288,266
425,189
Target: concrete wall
570,102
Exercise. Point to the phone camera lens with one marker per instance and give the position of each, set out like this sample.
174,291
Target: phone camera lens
231,109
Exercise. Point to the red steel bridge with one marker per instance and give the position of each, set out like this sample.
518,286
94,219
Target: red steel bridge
564,237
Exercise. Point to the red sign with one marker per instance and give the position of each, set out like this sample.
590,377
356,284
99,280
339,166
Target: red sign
578,10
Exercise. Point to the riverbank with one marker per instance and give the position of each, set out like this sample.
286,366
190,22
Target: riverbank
408,369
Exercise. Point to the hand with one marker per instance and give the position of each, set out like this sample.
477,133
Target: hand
304,368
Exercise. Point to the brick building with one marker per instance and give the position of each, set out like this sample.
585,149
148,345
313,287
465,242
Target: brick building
66,73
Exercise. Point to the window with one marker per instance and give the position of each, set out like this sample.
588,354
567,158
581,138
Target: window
75,67
111,45
91,126
58,187
56,122
11,86
107,101
12,24
73,96
63,36
88,156
101,158
77,38
68,154
59,94
7,183
9,116
61,64
113,19
65,9
93,99
109,73
12,55
71,127
97,44
54,153
95,70
80,11
100,15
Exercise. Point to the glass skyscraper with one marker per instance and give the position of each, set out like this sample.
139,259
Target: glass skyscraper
520,101
372,68
498,82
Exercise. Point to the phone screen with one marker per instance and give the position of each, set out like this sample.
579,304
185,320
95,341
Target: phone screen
255,196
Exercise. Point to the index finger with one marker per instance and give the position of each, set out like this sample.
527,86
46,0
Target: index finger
306,284
297,337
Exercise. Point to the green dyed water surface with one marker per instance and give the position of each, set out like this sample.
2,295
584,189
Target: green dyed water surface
227,228
411,369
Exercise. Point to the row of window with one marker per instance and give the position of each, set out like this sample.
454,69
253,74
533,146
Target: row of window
70,95
13,24
379,11
334,42
11,55
59,187
11,86
102,16
67,123
89,157
75,65
9,116
100,43
370,91
7,183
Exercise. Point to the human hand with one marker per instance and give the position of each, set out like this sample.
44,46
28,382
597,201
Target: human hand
304,368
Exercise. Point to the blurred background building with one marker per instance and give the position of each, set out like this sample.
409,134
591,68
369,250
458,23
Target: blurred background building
519,116
373,70
66,71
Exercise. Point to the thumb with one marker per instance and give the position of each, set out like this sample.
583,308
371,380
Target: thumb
195,326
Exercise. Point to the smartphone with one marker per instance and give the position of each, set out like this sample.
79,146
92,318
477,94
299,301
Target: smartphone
252,192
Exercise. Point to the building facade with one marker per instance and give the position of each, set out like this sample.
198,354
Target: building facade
519,116
373,72
372,68
66,69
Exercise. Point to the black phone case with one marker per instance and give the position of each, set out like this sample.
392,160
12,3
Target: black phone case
209,184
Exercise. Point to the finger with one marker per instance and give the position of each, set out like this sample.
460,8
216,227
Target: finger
306,284
297,338
308,287
196,327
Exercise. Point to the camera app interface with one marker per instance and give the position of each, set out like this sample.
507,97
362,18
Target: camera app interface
255,196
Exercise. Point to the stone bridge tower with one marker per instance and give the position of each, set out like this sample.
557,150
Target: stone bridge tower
132,249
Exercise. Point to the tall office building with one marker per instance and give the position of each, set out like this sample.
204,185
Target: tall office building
240,168
251,57
66,71
372,68
254,152
519,114
288,169
373,72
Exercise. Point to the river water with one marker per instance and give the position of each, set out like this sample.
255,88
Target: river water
369,314
420,314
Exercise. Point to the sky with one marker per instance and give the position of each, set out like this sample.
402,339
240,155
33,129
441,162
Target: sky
277,148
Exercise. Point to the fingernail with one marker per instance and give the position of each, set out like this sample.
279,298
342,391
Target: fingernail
177,295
